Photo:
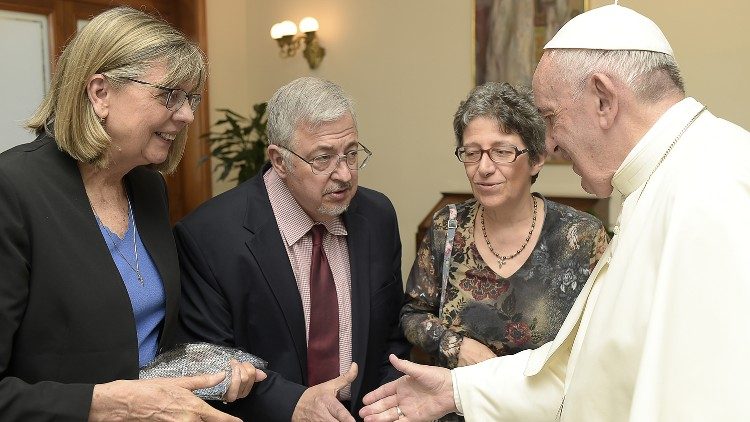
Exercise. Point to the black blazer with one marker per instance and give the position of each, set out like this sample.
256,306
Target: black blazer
239,290
66,322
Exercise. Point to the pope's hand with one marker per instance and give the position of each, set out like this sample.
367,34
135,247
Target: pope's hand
425,393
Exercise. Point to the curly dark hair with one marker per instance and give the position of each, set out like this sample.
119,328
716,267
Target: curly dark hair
514,110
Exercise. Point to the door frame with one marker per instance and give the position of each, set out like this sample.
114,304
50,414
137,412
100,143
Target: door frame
190,185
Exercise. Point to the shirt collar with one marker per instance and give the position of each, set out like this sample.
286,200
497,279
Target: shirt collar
294,223
644,157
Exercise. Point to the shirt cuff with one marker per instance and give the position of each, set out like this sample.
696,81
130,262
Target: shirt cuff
450,347
456,394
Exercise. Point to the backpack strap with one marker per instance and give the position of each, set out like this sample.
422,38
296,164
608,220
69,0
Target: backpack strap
452,224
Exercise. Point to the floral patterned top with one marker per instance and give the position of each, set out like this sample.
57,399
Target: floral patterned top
510,314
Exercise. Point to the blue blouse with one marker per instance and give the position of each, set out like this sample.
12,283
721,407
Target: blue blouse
148,299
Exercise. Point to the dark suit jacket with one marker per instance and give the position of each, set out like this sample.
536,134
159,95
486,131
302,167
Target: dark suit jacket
239,290
66,322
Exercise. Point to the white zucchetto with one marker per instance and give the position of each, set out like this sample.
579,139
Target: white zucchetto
611,27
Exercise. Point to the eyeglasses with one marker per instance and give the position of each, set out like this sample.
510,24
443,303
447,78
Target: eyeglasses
328,163
175,96
500,155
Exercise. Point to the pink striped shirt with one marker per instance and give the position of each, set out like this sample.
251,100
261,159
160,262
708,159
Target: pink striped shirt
294,226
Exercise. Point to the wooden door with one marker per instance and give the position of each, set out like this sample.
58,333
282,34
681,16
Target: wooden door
191,184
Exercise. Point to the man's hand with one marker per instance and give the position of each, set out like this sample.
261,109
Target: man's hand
425,393
320,402
472,352
159,399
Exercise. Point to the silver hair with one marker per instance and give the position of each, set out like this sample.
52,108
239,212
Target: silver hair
650,75
307,102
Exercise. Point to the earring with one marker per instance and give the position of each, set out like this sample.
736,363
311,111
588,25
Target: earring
102,120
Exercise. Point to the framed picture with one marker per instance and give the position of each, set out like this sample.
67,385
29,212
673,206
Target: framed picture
510,36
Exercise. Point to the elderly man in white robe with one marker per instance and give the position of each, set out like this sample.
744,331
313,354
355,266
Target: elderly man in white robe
660,331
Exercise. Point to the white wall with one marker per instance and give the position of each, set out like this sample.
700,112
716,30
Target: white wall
407,64
711,42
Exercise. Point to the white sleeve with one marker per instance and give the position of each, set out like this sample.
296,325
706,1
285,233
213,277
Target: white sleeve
498,390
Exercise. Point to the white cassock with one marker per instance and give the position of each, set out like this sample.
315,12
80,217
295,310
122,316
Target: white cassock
661,331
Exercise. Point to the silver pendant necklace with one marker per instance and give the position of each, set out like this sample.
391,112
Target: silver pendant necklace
502,259
136,268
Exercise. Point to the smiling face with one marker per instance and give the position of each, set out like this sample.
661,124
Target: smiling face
496,184
321,196
572,127
141,127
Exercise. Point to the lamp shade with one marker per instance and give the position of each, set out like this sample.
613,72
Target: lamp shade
288,28
276,31
308,24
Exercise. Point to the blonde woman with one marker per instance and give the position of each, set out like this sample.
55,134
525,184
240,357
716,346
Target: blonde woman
90,280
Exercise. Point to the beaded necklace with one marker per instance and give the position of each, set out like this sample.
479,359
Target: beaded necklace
501,260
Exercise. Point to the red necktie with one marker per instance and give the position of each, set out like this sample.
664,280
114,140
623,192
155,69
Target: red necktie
323,342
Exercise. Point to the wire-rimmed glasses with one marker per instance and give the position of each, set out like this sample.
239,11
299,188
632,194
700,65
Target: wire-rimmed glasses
326,164
501,155
175,97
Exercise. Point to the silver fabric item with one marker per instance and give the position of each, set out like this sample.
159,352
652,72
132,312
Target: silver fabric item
197,359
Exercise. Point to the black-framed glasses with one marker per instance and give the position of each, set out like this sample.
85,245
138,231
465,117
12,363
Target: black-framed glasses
326,164
175,96
500,155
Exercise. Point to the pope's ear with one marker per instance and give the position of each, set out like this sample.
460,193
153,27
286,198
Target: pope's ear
607,99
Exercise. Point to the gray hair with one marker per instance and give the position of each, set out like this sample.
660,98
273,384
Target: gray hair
650,75
512,108
305,101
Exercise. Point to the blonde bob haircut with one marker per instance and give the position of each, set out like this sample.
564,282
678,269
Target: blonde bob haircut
119,43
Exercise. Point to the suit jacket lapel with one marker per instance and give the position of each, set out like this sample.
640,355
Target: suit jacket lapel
358,241
267,247
106,277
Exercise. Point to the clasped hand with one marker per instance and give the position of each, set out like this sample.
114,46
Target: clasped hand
170,399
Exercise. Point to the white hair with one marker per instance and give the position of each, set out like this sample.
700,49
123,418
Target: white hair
650,75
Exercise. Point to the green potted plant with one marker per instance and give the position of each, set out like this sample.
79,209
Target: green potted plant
239,142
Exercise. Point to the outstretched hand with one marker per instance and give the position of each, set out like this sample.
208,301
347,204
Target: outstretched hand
425,393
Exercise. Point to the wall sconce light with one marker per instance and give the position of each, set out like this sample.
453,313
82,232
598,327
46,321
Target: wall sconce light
285,33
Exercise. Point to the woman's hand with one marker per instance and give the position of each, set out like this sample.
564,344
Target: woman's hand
244,375
472,352
167,399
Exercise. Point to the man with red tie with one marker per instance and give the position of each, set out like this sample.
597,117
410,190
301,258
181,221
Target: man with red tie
299,265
